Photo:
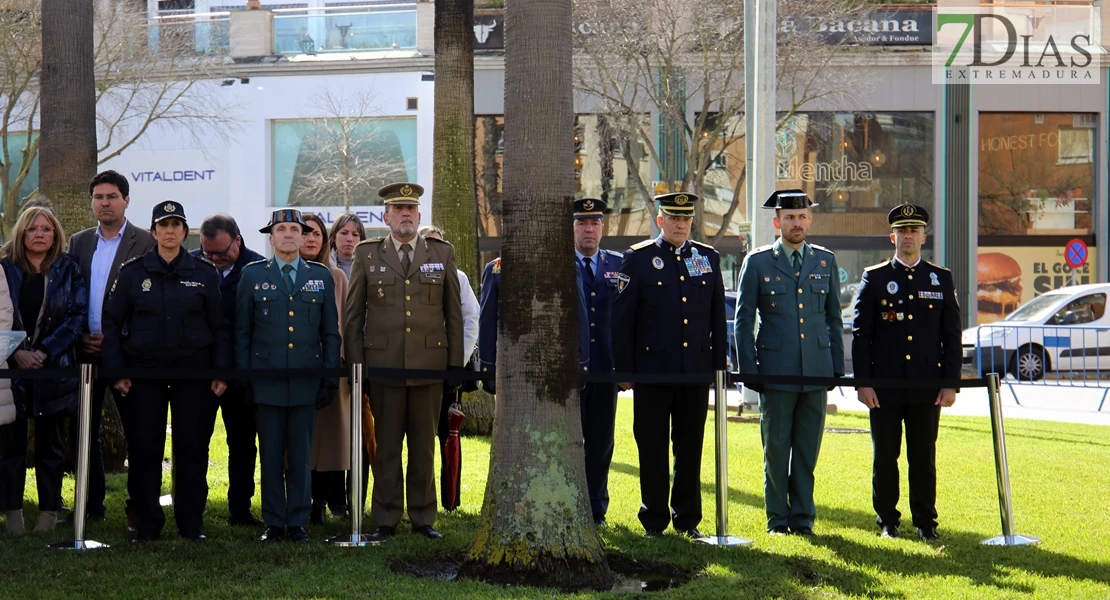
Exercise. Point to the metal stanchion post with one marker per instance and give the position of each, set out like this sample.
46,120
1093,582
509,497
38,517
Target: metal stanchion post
720,416
82,489
355,537
1002,469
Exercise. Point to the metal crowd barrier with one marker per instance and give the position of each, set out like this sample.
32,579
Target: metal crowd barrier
356,373
1043,355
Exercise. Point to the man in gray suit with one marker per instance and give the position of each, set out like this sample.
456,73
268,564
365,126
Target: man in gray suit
794,286
101,250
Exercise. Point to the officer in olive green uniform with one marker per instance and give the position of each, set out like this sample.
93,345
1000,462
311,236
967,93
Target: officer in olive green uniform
795,288
286,318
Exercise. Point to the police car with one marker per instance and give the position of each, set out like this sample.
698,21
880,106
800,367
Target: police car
1064,330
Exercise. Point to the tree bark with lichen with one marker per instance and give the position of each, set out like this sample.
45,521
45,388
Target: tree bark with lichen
536,526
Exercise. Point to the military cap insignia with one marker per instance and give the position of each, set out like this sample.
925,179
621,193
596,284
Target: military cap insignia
588,205
682,200
168,207
406,190
907,210
622,281
657,262
146,284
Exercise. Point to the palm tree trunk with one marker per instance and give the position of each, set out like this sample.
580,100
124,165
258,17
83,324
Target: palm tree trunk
536,526
67,152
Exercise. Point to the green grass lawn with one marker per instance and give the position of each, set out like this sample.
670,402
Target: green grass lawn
1060,487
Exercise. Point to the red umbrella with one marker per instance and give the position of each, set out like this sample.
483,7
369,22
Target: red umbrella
453,453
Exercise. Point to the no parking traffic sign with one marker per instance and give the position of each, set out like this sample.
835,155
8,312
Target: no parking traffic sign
1075,253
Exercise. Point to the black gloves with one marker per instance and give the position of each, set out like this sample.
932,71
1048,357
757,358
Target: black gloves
838,376
490,385
325,396
453,383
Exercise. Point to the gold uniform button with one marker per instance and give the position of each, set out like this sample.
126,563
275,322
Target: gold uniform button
907,357
930,306
772,292
938,364
684,298
648,348
684,344
408,313
660,283
801,306
593,293
290,329
911,296
592,340
591,324
408,297
407,282
909,338
803,336
910,277
911,317
290,313
703,282
408,330
592,309
799,290
685,321
801,320
290,298
439,343
485,369
290,346
682,278
585,368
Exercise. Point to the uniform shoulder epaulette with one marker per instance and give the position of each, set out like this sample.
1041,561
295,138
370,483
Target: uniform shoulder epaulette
766,248
437,240
316,264
821,248
129,261
642,245
878,266
613,253
703,245
372,241
936,266
254,263
205,261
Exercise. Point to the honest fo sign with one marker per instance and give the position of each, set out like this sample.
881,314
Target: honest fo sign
1016,44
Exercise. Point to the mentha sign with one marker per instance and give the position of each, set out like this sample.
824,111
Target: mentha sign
1009,44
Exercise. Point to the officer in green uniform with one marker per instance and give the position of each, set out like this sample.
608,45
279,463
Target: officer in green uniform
794,286
286,318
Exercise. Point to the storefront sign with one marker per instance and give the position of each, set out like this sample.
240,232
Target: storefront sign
489,30
1010,276
879,28
198,179
371,216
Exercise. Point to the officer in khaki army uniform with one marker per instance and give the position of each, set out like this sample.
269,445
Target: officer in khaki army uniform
669,317
907,325
286,318
404,311
795,289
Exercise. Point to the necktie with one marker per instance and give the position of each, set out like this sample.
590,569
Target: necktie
796,261
288,270
406,262
588,274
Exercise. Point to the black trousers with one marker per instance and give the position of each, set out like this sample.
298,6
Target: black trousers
193,409
449,398
922,422
242,453
598,403
49,461
680,411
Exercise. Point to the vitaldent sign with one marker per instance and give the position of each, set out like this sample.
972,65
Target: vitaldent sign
198,179
1016,44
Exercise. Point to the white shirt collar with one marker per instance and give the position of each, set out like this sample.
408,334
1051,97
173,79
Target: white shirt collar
119,234
902,262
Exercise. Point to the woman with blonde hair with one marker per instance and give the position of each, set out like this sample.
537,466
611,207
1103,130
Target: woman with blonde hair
49,301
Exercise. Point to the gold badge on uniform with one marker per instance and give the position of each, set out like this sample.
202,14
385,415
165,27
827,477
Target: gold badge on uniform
146,284
406,191
169,208
824,264
901,316
657,262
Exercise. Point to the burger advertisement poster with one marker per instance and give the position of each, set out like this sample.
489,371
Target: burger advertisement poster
1011,276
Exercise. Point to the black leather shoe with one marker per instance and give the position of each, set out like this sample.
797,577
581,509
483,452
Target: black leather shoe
382,534
889,531
601,522
803,530
928,534
272,534
297,534
246,519
318,516
653,533
692,533
779,530
195,537
429,532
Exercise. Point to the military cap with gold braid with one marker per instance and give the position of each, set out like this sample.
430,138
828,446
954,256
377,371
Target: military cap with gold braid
590,208
401,193
677,204
788,200
907,215
168,210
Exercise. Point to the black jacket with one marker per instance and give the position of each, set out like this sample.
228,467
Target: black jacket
166,315
61,320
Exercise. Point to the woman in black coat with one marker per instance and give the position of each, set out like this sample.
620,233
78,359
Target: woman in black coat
50,301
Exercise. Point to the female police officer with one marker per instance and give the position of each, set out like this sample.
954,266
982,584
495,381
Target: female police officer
165,312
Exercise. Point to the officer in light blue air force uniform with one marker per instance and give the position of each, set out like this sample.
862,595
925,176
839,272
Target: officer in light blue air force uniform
795,289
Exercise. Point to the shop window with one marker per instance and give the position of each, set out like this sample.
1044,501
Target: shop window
1077,146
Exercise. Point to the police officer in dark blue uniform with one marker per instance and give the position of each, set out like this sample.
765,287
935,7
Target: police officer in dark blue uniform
487,324
669,317
165,311
907,325
597,270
